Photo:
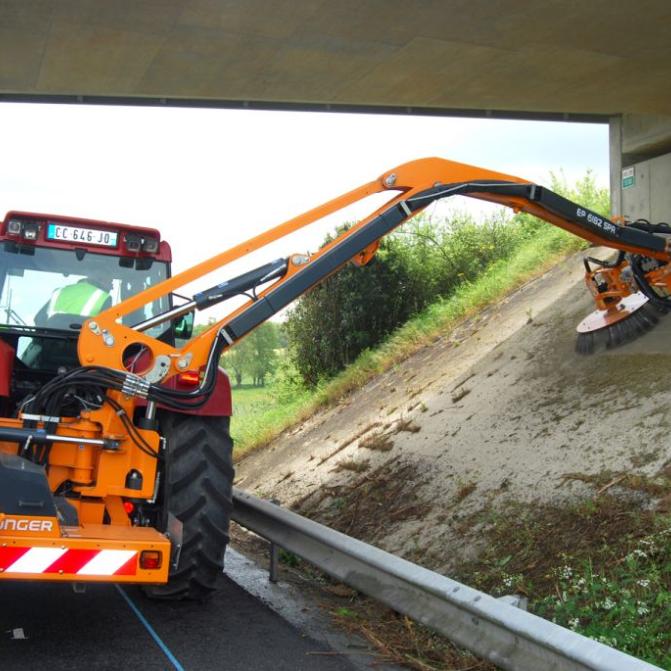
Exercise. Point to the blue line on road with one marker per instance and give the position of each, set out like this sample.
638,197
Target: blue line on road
150,629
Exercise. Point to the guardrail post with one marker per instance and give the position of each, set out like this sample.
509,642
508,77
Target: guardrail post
274,556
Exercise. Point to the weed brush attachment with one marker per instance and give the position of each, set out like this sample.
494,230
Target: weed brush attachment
620,324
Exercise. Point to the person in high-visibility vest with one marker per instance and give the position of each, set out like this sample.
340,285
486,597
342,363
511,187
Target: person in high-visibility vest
85,298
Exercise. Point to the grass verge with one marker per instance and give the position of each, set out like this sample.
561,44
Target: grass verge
259,416
255,428
601,566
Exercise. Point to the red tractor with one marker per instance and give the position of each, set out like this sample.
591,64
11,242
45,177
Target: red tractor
55,272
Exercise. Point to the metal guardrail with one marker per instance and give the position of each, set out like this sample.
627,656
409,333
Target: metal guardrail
492,629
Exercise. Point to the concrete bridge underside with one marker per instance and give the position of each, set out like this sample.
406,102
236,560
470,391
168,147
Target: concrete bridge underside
562,59
594,57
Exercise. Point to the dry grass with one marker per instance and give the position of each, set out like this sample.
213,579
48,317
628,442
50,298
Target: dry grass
460,393
379,442
349,441
352,465
465,490
657,486
368,506
382,440
400,640
407,425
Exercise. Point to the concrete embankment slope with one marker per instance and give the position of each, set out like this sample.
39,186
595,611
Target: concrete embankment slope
501,409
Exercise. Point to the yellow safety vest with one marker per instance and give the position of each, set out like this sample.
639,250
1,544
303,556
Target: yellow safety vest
82,299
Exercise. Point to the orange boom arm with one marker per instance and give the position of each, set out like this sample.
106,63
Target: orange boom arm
418,184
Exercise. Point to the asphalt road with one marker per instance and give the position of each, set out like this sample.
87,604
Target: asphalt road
48,626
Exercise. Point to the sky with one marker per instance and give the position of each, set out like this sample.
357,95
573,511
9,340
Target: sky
209,179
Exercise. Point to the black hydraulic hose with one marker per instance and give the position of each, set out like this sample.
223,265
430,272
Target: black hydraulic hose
645,286
602,263
49,400
133,432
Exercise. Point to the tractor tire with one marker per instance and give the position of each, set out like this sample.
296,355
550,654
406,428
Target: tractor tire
197,490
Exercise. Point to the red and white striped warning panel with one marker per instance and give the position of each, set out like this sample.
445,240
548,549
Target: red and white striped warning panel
18,560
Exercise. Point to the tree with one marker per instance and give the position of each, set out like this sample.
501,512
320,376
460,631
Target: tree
255,356
352,310
263,342
237,360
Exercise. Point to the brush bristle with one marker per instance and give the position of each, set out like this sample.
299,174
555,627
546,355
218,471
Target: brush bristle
620,333
644,319
584,343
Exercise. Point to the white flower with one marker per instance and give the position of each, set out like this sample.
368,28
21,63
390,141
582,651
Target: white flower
574,623
608,603
643,582
642,610
566,572
607,641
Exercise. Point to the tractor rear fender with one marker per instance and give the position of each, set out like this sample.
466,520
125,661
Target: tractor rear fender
219,403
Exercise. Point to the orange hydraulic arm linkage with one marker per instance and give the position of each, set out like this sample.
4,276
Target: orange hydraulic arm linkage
417,184
106,344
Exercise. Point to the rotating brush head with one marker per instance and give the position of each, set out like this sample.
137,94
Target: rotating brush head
619,330
629,329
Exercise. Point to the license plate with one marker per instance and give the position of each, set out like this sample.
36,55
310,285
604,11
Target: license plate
87,236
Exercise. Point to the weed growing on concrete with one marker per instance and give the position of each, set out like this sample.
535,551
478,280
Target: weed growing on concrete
601,567
352,465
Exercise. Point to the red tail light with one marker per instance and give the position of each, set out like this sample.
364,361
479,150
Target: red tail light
190,378
150,559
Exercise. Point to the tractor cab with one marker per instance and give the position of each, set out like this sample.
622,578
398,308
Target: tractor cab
55,273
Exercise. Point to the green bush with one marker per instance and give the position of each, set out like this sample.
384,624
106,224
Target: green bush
425,261
357,308
348,313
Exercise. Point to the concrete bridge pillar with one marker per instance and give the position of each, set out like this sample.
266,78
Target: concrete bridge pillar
640,167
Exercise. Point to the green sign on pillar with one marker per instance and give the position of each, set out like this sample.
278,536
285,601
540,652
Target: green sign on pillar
628,177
